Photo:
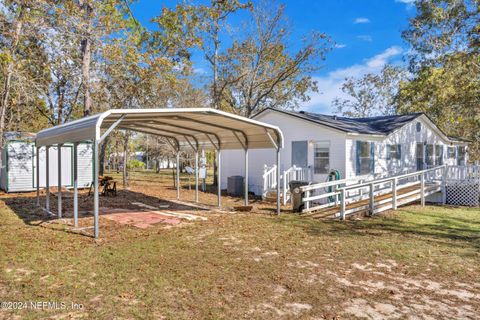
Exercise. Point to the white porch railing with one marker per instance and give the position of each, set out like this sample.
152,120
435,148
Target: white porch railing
457,173
269,179
292,174
347,194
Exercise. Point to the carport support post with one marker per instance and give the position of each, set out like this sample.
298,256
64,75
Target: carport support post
59,188
47,178
178,174
95,182
219,177
196,174
37,173
246,176
75,185
278,180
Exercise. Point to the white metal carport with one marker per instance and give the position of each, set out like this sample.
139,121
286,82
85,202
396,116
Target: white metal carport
195,128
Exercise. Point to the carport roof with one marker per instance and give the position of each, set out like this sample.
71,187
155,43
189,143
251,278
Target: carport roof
185,127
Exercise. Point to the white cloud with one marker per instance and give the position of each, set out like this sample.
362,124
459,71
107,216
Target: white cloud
365,37
409,3
340,45
330,85
199,70
361,20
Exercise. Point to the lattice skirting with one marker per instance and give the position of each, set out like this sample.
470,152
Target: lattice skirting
463,193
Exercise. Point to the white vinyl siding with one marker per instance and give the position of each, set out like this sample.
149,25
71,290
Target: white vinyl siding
19,166
85,164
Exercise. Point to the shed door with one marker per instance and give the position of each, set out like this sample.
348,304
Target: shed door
300,153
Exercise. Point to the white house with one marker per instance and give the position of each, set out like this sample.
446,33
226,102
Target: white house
355,147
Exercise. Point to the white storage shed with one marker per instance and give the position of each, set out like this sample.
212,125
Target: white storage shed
18,170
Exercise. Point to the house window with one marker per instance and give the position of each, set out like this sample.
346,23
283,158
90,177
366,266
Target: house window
322,158
419,156
365,157
419,126
438,155
430,155
394,151
434,155
451,152
461,156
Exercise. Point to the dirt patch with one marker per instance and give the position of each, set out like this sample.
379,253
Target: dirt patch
403,296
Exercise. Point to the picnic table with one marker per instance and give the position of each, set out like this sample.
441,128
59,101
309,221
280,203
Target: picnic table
107,184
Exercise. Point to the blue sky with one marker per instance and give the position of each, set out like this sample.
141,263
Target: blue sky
367,33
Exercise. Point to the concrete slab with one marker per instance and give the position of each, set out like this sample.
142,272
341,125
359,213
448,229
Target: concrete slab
139,219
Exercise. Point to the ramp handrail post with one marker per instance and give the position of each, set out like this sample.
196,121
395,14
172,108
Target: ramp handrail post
337,200
342,204
422,189
372,198
444,185
394,194
307,203
284,191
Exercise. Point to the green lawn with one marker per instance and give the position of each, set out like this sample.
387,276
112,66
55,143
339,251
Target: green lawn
417,261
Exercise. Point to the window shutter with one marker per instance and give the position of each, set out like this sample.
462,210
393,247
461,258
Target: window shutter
399,151
357,157
372,155
389,152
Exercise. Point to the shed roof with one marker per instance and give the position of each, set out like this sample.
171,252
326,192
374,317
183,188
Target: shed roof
185,126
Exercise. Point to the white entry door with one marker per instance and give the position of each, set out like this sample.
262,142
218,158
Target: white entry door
300,154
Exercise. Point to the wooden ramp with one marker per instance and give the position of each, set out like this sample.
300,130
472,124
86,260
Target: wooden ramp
335,199
381,203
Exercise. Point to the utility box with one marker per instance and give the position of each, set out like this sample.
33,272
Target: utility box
235,185
297,196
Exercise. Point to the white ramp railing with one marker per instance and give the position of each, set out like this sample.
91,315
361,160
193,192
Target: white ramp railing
340,196
292,174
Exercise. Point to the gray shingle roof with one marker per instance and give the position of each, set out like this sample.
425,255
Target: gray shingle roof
382,125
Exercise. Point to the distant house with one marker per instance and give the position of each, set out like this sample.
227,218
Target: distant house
374,146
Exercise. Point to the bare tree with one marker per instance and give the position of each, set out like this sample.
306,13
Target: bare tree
262,71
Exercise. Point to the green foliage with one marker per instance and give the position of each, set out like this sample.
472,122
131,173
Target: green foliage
445,66
134,164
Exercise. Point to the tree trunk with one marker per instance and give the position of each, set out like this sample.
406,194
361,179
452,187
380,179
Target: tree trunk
86,58
9,71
